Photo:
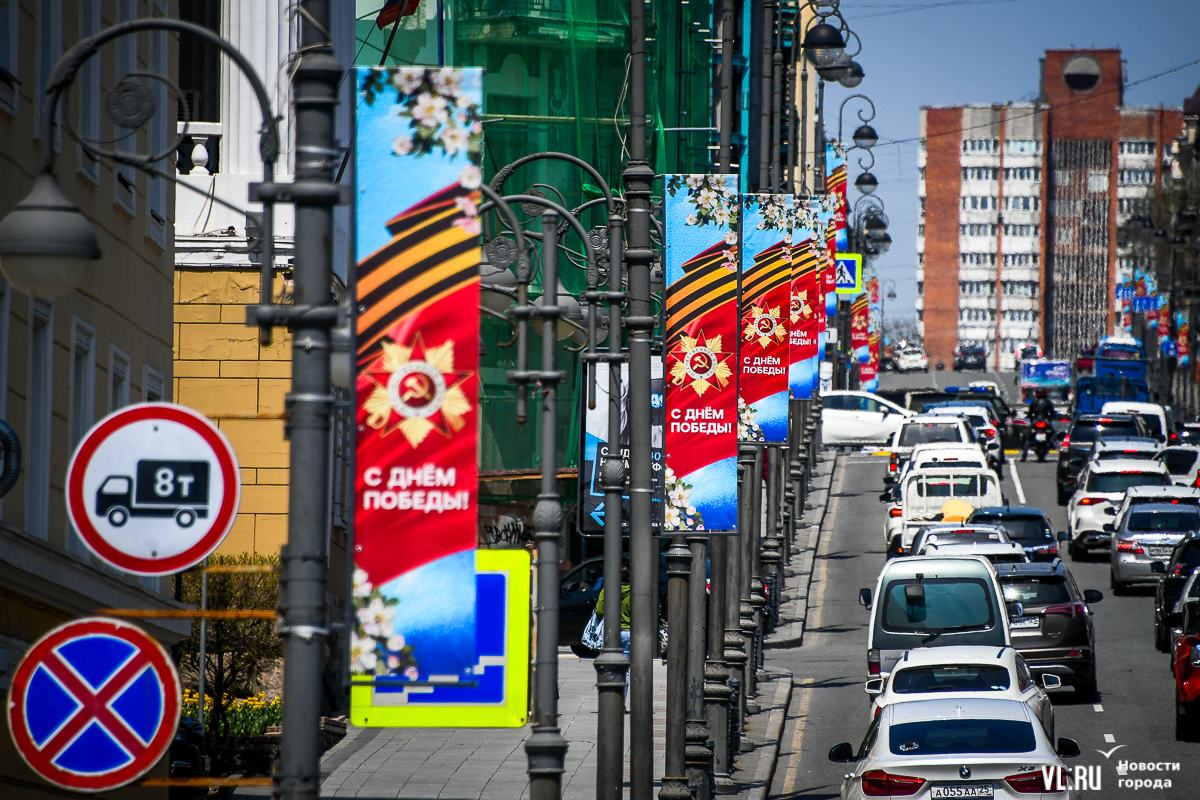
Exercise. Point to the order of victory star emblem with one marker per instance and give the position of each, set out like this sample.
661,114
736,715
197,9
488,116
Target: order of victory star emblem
764,325
800,309
417,391
700,362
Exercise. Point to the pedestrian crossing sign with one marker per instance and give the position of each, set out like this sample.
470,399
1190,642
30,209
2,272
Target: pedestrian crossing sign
848,273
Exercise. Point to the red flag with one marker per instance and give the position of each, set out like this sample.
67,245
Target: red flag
394,9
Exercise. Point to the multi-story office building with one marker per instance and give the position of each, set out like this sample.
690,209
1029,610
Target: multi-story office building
1019,208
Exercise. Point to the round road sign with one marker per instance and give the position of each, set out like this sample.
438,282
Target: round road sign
153,488
94,704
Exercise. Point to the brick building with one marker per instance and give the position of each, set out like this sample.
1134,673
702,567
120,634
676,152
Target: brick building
1019,206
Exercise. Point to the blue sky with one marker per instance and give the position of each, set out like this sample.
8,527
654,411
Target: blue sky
987,51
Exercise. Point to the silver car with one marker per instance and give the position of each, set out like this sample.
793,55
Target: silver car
1146,532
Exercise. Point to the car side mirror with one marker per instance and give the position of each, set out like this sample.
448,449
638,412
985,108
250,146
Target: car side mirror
864,598
1015,609
1050,681
1067,748
844,753
885,497
1076,462
888,479
1158,567
885,411
1110,511
874,687
1108,527
1092,595
1063,536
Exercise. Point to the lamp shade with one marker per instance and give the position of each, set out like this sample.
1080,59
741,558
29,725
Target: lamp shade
884,242
865,137
823,44
47,245
866,183
839,69
853,77
581,337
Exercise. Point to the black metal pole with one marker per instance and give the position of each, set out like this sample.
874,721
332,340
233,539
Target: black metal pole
751,584
699,753
638,176
725,104
675,782
304,560
736,652
802,153
764,112
546,749
716,670
776,107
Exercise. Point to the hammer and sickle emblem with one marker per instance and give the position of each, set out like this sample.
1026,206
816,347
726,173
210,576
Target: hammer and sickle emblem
416,387
700,363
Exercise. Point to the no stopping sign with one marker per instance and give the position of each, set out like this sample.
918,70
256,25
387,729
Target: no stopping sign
153,488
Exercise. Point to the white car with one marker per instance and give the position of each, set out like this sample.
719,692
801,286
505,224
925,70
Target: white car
1101,486
1183,462
943,534
964,747
859,418
912,359
924,492
1154,416
927,429
964,671
982,419
1123,450
995,552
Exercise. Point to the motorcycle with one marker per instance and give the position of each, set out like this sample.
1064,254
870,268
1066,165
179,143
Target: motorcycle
1041,438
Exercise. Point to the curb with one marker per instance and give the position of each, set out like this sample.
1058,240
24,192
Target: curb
796,610
765,772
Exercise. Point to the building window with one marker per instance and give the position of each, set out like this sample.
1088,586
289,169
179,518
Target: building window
125,183
981,145
118,379
37,440
1135,177
89,90
1136,147
9,21
1133,205
83,401
153,385
1023,146
49,50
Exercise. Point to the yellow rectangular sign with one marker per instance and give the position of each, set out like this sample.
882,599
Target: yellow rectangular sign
498,694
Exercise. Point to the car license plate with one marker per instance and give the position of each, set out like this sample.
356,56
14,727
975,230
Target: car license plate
1024,623
1161,552
961,790
1041,437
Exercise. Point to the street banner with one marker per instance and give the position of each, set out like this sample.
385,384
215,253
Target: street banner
858,327
766,278
596,448
868,370
835,185
826,257
807,307
1165,342
1182,332
418,150
701,214
497,693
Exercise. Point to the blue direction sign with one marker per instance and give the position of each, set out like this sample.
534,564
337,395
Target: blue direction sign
848,273
94,704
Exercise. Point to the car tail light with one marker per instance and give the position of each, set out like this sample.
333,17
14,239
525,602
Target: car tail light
1039,424
1066,441
872,662
1130,547
991,431
1178,570
877,710
1068,610
1198,480
1036,782
1091,501
895,512
877,783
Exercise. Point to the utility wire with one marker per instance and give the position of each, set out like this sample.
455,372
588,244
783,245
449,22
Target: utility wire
923,7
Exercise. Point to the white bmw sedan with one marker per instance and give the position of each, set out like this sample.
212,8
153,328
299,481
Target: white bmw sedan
957,748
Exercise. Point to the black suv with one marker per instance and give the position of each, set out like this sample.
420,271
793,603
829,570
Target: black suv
970,357
1184,558
1077,444
1025,525
1054,633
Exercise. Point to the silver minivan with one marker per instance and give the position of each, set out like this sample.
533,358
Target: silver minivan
929,601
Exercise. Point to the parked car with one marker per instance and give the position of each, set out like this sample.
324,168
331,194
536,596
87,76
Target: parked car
1147,531
971,744
859,418
1175,572
1025,525
1156,419
1185,663
1077,444
579,590
1101,487
1182,462
912,359
970,357
932,600
963,672
1054,633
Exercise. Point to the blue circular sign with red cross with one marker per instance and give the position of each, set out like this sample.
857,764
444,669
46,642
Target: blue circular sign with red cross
94,704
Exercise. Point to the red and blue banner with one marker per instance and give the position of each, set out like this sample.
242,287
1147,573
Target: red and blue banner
700,363
835,187
868,371
827,256
766,284
1182,333
418,150
807,313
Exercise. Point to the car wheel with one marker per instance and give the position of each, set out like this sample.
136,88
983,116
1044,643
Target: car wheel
1118,588
894,547
1075,551
1161,638
1063,497
583,651
1186,723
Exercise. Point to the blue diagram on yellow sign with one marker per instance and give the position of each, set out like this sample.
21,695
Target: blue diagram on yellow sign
848,274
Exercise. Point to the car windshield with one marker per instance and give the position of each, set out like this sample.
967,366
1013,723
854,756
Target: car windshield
942,539
1118,482
945,737
1153,424
950,603
1182,519
935,464
1179,462
1035,590
1190,557
950,678
951,485
916,433
1116,455
1020,529
1090,431
1121,352
1006,558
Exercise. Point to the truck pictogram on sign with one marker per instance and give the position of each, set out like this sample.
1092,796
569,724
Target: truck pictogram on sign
176,489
